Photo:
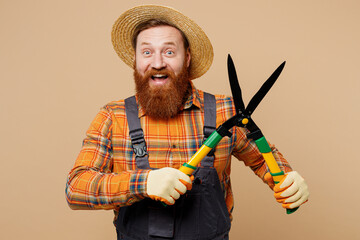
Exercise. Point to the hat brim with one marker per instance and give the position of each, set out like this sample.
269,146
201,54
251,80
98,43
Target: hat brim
200,46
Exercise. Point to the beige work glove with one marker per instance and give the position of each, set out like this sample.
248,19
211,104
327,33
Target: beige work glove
167,184
292,190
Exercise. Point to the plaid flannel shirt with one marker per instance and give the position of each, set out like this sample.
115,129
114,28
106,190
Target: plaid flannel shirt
105,176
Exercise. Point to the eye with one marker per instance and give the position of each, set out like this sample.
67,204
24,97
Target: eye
146,52
169,52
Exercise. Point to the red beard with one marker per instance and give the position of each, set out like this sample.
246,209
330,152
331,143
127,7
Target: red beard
163,102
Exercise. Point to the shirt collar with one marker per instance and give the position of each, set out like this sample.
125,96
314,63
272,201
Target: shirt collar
193,99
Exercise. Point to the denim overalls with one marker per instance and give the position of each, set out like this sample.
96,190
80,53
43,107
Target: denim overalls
199,214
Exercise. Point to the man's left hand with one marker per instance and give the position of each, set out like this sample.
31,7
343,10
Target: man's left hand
291,191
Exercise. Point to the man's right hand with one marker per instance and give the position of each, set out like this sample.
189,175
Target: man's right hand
167,184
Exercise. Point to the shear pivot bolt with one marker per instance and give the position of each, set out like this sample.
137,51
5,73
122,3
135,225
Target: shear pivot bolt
245,121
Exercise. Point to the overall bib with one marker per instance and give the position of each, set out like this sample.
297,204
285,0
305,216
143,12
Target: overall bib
199,214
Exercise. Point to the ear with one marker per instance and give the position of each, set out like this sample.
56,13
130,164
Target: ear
188,57
134,61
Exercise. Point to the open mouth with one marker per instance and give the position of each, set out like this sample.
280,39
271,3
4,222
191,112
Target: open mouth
159,79
159,76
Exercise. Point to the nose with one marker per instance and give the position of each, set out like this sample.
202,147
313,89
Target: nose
158,62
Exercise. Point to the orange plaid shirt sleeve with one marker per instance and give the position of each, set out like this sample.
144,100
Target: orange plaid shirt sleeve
105,176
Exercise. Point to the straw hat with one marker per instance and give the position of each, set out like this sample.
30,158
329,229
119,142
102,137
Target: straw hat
124,27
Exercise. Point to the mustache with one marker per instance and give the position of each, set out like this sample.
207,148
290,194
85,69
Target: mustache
148,74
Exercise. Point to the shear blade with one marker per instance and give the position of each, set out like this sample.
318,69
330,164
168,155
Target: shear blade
256,99
235,87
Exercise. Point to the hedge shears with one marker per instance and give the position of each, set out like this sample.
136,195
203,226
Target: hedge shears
243,119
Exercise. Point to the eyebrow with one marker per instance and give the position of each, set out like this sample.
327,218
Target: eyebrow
165,43
169,43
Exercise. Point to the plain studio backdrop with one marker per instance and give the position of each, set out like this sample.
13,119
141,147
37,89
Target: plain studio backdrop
58,68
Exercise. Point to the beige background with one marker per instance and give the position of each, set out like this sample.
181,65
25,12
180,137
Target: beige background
57,68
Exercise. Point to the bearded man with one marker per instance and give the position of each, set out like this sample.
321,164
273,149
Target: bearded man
134,147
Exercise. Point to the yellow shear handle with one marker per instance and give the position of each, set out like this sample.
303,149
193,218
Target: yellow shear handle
274,168
189,167
266,152
210,143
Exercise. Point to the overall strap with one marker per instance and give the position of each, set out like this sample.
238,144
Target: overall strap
209,126
136,134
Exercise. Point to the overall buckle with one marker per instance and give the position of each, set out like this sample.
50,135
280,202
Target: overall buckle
140,149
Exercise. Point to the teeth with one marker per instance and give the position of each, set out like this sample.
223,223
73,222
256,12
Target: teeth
161,76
